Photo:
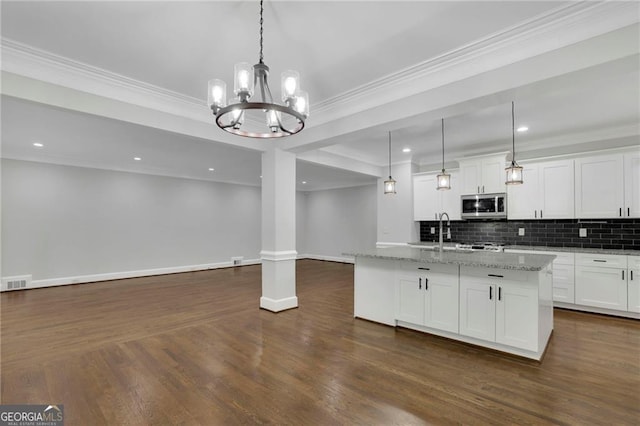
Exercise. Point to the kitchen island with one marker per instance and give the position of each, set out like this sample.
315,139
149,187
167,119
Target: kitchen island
501,301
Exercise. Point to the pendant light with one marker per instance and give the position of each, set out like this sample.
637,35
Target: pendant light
259,116
514,171
390,184
444,179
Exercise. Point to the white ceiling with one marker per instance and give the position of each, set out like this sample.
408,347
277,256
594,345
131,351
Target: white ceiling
363,64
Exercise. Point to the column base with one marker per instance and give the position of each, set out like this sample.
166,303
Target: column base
278,305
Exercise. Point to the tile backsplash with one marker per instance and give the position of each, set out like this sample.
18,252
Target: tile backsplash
606,233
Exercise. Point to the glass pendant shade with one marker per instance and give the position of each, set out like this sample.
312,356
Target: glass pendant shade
217,94
289,84
444,181
273,117
514,174
302,103
390,186
243,80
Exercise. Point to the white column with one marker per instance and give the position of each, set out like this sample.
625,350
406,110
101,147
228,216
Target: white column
278,230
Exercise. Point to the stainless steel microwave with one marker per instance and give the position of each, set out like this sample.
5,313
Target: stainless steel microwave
484,206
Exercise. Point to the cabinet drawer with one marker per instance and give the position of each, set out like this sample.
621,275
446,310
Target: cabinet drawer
562,257
411,267
634,262
601,260
494,275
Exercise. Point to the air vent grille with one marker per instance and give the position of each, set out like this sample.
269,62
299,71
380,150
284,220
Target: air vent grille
16,283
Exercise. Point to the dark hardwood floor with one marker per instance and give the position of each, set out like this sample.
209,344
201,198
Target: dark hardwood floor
194,349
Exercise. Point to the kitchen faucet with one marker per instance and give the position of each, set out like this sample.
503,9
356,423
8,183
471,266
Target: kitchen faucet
448,225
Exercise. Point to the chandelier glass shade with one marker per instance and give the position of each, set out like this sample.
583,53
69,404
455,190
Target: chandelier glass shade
514,171
390,184
444,178
253,112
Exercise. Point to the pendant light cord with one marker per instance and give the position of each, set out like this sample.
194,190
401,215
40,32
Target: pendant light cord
389,154
261,30
443,145
513,135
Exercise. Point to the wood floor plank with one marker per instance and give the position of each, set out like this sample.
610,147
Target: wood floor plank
194,349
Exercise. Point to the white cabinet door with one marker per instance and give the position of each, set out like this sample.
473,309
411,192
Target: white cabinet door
374,290
477,309
601,287
633,283
523,201
470,177
441,299
493,175
599,189
632,184
451,198
517,316
410,299
563,283
426,198
556,190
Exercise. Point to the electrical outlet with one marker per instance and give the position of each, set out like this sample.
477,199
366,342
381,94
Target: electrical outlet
521,232
433,229
583,232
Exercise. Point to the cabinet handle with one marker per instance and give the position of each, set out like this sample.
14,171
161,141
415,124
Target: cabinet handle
426,284
540,214
600,260
628,212
631,275
620,211
535,214
483,189
478,189
490,293
499,293
424,269
420,284
623,275
495,275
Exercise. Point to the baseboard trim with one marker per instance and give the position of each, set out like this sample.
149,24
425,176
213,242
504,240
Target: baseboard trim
278,305
83,279
382,244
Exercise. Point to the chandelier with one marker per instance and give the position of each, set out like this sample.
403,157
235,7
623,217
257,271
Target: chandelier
390,184
514,171
261,117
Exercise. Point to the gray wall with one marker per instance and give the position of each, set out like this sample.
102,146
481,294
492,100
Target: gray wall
61,221
340,220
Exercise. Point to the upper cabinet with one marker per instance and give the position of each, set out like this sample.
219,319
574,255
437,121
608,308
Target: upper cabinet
608,186
482,175
547,192
428,202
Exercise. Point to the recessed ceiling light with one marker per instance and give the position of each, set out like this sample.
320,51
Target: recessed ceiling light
406,149
211,169
38,144
260,176
522,129
304,182
137,158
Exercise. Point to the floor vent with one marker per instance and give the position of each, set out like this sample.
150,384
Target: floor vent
16,283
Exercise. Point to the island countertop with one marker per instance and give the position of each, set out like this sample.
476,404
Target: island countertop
512,261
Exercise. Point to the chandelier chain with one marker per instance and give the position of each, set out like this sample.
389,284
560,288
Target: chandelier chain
261,30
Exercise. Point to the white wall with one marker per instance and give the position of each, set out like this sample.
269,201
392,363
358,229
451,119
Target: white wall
338,221
61,221
395,211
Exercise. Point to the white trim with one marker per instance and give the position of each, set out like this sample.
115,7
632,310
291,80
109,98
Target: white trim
276,256
83,279
594,310
341,259
278,305
382,244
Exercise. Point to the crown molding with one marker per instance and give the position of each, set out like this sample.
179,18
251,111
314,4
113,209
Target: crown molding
556,29
28,61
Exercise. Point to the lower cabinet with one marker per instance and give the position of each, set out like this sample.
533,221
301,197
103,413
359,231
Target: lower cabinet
633,284
428,295
496,305
601,281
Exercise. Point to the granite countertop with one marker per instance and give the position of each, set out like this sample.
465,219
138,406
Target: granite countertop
513,261
430,244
